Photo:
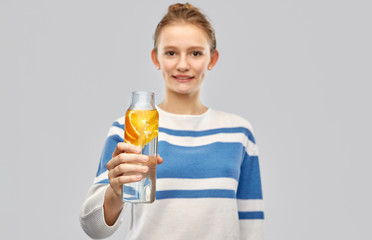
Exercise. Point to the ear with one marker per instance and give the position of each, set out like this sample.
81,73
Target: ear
214,59
155,59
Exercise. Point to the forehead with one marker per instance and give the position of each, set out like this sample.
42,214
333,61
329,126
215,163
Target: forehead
183,35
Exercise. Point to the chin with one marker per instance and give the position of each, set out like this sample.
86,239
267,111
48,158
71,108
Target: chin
187,91
183,89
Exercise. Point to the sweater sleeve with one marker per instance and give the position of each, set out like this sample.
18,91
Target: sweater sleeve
92,214
249,195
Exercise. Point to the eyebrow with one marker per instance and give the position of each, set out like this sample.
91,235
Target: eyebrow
190,48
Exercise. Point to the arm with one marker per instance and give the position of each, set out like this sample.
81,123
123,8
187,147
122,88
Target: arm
92,214
92,217
249,195
103,205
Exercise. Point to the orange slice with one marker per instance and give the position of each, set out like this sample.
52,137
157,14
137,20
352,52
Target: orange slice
141,126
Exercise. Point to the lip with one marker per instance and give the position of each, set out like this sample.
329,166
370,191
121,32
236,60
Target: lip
183,78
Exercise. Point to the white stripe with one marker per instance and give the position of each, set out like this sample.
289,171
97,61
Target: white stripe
101,177
121,120
212,120
252,229
198,211
116,131
220,120
186,184
195,184
203,140
250,205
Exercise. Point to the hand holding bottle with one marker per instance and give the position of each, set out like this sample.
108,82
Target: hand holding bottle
122,168
125,166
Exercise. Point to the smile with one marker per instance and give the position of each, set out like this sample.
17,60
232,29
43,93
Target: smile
183,78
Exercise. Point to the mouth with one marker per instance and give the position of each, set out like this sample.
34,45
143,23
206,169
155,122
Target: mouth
183,78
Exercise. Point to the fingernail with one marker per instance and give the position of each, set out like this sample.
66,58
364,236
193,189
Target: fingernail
138,176
145,158
144,169
137,149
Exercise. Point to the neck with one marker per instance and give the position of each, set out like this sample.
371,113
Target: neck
186,104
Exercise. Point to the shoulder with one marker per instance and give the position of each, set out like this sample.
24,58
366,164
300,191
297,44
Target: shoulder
232,123
229,119
119,121
117,127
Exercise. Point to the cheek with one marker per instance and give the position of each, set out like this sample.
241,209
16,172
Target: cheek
167,67
201,67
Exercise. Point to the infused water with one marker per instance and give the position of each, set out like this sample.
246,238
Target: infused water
141,129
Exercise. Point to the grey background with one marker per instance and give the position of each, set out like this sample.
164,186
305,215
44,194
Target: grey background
299,71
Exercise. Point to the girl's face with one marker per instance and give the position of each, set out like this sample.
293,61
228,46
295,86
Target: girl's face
184,56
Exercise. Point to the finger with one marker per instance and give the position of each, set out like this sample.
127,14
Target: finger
126,179
126,158
122,147
159,159
128,169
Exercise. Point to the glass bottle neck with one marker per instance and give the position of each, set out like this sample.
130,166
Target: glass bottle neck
142,101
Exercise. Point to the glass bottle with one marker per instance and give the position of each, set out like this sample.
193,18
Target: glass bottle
141,129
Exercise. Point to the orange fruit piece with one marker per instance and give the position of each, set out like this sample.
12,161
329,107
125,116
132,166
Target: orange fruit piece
141,126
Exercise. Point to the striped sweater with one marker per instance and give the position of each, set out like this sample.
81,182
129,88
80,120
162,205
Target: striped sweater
208,187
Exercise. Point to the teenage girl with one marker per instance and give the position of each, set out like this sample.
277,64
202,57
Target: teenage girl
208,185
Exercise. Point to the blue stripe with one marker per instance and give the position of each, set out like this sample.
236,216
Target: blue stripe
106,181
107,151
207,161
215,193
183,133
251,215
130,191
250,179
117,124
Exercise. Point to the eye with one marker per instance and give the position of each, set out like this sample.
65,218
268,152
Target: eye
170,53
196,53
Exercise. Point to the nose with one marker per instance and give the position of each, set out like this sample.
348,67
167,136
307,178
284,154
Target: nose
183,64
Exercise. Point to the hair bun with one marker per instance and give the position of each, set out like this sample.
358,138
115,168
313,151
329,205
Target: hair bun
180,6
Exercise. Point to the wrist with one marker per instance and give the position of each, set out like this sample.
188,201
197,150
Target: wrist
112,206
112,198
